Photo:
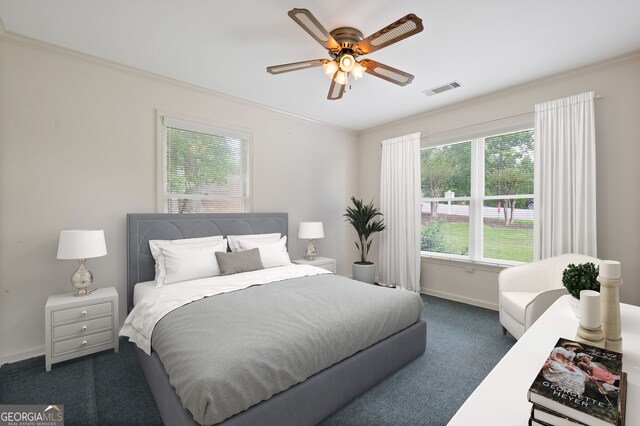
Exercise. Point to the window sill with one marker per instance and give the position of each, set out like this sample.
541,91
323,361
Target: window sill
466,263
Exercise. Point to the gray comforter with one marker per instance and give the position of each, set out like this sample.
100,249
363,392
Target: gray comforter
228,352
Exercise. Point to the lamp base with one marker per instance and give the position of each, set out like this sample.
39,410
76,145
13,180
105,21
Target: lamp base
81,279
310,253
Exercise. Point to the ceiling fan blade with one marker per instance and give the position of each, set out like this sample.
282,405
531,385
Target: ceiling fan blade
399,30
310,24
386,72
295,66
335,90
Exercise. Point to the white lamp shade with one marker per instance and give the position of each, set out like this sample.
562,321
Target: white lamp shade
341,78
358,71
310,230
81,244
330,68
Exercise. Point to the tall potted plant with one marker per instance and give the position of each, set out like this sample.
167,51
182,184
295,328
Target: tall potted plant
364,219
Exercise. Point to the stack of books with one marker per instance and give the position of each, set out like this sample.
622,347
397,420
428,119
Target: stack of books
579,384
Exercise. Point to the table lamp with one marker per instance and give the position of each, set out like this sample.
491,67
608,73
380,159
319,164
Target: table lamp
310,231
81,245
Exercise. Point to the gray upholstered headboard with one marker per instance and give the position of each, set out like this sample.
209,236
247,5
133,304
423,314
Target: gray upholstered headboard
166,226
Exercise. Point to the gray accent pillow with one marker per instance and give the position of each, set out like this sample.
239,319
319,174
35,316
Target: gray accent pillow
239,261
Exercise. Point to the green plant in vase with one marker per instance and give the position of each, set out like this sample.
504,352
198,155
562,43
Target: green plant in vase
583,276
366,220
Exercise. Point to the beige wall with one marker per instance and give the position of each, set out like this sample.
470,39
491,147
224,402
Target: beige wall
78,150
618,173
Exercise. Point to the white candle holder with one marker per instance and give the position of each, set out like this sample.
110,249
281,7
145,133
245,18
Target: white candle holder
610,281
589,330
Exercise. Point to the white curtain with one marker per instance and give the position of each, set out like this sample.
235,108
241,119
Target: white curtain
565,177
400,205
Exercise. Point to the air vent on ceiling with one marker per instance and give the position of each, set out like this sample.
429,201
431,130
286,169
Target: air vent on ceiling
443,88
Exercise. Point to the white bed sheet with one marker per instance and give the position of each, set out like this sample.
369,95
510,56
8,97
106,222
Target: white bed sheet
142,289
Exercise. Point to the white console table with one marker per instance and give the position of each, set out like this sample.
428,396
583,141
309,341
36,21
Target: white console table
501,398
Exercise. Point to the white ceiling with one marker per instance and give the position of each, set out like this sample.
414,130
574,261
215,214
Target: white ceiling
226,45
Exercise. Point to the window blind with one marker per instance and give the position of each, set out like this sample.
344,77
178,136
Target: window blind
446,189
205,168
508,196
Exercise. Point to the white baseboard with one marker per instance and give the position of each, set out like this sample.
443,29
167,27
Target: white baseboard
7,359
462,299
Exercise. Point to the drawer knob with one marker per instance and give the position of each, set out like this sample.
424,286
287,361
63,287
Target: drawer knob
84,313
84,327
84,343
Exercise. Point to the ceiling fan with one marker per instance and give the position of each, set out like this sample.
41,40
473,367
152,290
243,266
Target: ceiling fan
345,44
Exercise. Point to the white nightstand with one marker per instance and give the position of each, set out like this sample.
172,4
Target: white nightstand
77,326
320,262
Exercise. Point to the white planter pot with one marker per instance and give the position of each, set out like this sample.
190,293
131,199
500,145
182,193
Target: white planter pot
365,273
575,306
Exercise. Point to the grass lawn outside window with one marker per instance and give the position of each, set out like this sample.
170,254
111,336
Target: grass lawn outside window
499,242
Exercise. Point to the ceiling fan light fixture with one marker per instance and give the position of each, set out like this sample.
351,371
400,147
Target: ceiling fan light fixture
345,44
347,62
358,71
330,68
341,78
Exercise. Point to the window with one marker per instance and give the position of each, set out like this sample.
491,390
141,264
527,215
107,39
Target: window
204,169
478,199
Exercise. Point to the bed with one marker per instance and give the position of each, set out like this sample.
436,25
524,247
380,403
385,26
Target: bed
307,402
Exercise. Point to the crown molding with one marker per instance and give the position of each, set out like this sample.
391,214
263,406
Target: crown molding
85,57
616,60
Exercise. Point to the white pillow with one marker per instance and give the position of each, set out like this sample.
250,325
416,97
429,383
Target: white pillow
271,253
155,245
235,240
189,262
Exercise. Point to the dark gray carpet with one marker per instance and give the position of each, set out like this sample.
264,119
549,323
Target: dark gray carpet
463,344
99,389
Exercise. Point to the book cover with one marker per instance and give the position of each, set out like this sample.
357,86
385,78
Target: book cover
581,382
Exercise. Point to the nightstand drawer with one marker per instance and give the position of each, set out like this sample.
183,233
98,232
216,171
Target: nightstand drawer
82,312
83,342
82,327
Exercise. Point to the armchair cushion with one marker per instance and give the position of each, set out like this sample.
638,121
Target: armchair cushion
515,303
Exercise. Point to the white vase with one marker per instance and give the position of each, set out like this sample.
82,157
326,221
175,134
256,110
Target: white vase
575,306
364,272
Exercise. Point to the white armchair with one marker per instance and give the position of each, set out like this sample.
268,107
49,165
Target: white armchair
526,291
